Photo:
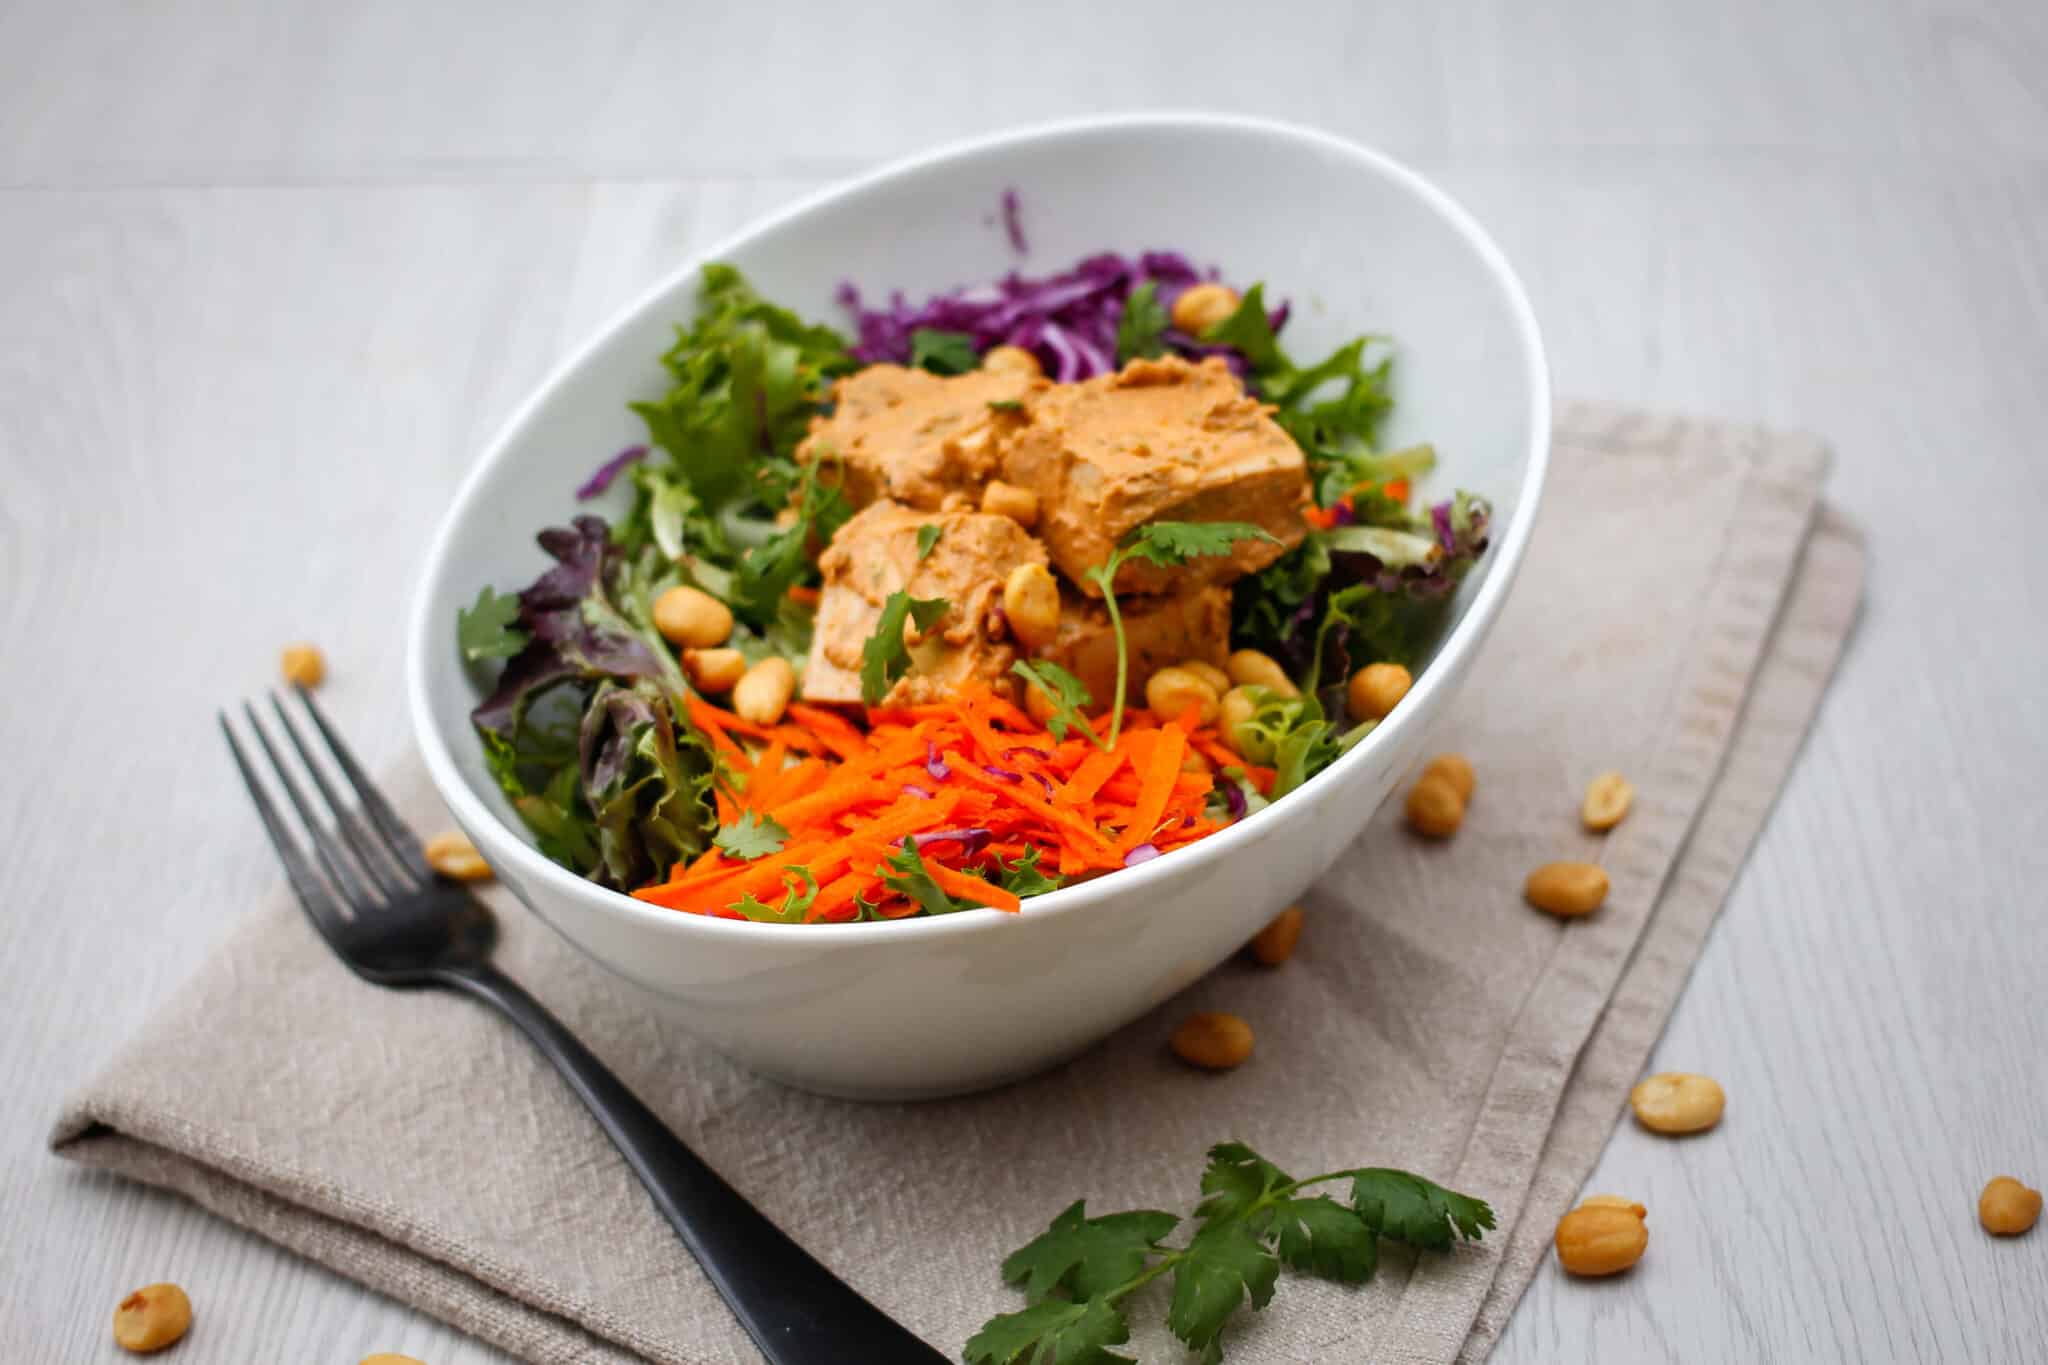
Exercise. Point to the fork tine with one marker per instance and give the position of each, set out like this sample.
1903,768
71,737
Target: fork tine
330,852
312,893
404,845
377,863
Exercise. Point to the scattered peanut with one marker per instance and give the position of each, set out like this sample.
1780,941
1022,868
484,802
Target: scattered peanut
714,671
763,691
1011,360
304,665
1237,708
391,1358
1250,668
152,1318
1214,1042
1455,769
1020,505
692,617
2007,1208
1208,673
1274,944
1375,690
1037,704
1677,1102
1434,807
1171,691
1202,306
1031,601
1601,1239
1613,1201
452,855
1567,889
1607,800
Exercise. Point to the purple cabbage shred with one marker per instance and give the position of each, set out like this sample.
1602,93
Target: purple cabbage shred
1143,853
609,470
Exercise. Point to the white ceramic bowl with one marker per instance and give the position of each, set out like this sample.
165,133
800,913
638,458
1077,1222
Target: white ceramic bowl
928,1007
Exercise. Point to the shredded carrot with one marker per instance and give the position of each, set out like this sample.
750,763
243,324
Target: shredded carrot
804,596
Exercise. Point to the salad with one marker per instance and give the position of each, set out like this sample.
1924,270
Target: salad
1020,585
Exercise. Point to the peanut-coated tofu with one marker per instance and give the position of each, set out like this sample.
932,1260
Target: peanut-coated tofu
920,439
1162,630
876,554
1161,440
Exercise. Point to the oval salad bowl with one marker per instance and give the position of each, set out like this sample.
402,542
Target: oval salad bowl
937,1005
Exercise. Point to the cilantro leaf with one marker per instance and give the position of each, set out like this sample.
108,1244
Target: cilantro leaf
911,879
885,657
1323,1237
1144,323
927,539
1224,1263
1172,543
1065,692
1087,1256
1250,330
1419,1212
487,629
1023,877
794,903
1235,1179
783,559
1054,1332
942,352
752,836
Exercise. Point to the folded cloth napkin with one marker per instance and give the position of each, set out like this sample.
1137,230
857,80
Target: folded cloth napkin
1682,606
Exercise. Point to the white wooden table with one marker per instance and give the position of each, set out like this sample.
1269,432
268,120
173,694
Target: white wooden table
270,274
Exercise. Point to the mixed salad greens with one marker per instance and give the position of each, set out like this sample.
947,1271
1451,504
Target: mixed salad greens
625,774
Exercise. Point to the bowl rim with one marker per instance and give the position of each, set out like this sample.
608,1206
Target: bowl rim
426,631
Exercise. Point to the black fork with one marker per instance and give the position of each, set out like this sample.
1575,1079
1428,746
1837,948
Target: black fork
368,890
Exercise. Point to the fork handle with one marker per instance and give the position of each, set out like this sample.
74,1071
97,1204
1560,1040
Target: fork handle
797,1311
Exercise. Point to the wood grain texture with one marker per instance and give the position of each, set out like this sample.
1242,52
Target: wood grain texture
271,274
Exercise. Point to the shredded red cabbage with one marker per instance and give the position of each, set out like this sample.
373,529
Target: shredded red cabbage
1068,320
1233,796
1143,853
971,841
1001,774
1013,223
935,765
919,792
609,470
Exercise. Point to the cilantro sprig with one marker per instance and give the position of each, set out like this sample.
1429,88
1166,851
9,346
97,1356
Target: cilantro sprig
1141,329
1253,1219
487,629
1024,877
1064,692
885,657
1168,544
906,873
751,836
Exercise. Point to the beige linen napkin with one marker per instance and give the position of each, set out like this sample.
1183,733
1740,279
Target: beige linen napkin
1681,608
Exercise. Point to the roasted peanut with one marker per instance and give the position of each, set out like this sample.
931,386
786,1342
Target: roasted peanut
1236,708
304,665
1208,673
1601,1239
1274,944
1171,691
763,691
152,1318
714,671
1250,668
692,618
1677,1102
1455,769
1613,1201
1607,800
1031,601
451,854
1214,1042
1020,505
2007,1208
1037,704
1567,889
390,1358
1434,807
1202,306
1375,690
1011,360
